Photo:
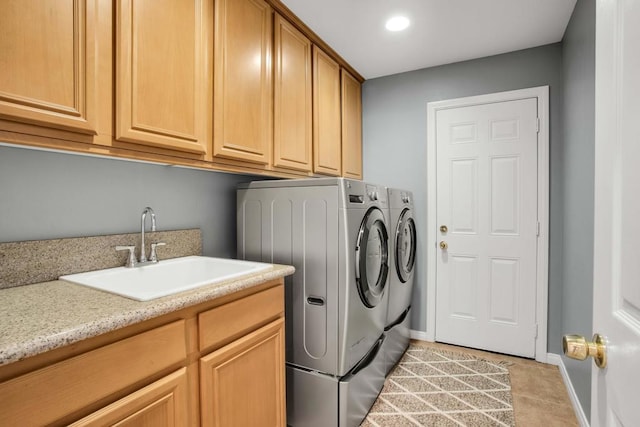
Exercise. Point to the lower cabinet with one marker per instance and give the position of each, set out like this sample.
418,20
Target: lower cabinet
77,385
224,357
163,403
242,383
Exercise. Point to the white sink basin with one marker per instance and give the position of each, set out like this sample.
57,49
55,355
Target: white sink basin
166,277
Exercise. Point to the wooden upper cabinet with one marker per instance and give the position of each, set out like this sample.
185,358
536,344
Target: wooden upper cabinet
48,63
326,114
351,127
216,84
162,74
292,103
242,107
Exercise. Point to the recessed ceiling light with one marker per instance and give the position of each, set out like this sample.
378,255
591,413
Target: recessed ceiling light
397,23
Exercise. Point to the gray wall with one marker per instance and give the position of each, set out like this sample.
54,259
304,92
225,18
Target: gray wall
45,195
395,135
578,51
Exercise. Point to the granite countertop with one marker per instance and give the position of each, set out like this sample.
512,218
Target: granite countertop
45,316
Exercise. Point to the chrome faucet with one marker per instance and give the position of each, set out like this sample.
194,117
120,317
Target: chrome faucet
153,257
147,210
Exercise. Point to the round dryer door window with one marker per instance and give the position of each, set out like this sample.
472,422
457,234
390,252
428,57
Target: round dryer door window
372,258
405,245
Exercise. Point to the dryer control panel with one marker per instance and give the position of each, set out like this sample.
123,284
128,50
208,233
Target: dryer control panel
373,192
360,195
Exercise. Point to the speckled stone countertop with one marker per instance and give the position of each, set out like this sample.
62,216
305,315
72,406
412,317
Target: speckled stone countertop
45,316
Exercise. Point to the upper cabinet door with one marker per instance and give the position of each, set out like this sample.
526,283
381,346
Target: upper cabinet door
242,108
162,74
326,114
351,127
47,63
292,103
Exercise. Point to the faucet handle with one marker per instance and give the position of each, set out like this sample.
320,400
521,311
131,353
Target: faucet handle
131,258
154,256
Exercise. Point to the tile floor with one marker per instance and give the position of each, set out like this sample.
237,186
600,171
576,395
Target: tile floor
540,397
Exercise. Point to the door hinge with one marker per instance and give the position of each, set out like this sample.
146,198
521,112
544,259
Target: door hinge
537,124
535,331
538,228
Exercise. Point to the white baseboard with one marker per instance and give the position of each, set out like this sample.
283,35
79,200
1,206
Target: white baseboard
419,335
556,359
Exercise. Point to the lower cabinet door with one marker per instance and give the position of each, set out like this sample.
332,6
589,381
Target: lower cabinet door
242,383
163,403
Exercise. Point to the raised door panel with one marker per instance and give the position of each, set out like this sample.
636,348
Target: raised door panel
242,109
162,73
242,384
327,131
486,179
292,102
48,63
161,404
351,127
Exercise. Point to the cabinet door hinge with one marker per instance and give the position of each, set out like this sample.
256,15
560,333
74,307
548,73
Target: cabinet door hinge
535,331
537,124
538,228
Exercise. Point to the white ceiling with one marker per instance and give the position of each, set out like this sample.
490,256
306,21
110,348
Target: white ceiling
441,31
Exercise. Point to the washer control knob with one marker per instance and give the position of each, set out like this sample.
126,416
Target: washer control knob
405,199
373,195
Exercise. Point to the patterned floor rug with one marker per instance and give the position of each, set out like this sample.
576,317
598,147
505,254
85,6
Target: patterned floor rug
432,387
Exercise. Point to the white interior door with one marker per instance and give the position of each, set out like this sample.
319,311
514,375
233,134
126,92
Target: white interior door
616,302
487,200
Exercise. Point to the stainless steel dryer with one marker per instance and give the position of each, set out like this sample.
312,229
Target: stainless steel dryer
334,231
403,257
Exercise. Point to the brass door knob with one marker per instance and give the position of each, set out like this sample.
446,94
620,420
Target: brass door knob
577,347
443,228
443,245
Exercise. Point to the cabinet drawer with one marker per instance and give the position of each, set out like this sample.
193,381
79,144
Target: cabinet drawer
222,324
162,403
76,383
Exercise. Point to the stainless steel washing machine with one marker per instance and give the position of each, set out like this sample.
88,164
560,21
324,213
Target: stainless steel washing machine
334,231
401,277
